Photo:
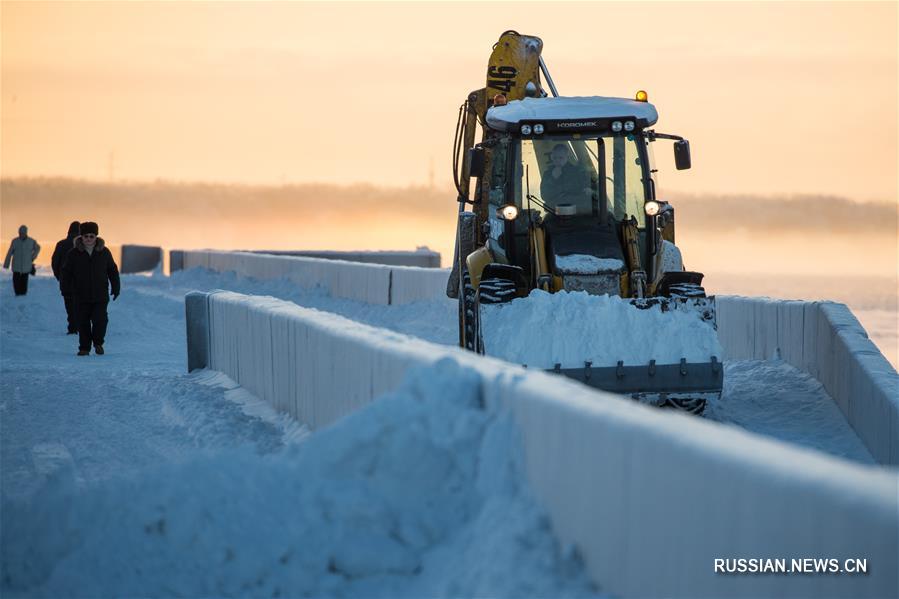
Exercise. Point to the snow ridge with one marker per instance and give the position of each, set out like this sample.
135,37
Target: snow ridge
419,494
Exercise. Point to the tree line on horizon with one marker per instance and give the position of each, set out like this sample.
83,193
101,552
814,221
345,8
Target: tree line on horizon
27,198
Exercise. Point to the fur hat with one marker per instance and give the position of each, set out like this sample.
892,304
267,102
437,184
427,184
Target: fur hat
89,227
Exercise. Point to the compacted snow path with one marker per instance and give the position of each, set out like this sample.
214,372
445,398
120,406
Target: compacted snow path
124,476
775,399
113,414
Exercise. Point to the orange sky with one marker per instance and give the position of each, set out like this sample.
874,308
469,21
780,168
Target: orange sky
775,97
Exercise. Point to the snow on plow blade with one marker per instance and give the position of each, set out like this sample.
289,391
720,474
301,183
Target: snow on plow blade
704,307
662,351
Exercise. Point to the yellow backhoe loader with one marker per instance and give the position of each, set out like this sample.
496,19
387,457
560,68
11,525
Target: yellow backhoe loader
565,200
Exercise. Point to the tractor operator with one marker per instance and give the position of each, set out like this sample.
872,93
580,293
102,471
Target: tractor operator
564,182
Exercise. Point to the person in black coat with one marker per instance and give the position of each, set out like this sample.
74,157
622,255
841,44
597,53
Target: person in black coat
59,255
87,274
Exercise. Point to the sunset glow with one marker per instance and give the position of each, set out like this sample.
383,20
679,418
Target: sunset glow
775,97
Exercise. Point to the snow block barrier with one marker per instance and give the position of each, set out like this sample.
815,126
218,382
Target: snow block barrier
650,498
140,258
371,283
421,258
827,341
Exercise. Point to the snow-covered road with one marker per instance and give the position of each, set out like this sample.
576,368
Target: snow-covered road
123,475
114,414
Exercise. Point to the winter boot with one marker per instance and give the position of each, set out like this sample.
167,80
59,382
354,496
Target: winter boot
83,352
98,349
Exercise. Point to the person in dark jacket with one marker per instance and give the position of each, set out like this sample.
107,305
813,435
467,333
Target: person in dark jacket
87,274
59,255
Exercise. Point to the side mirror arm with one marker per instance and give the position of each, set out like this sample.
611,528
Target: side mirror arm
682,160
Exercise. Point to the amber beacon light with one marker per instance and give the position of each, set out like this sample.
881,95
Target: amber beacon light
642,96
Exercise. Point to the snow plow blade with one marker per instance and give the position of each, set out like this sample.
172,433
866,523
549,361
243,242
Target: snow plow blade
662,351
686,386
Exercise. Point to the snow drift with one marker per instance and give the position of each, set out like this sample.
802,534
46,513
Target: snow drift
419,494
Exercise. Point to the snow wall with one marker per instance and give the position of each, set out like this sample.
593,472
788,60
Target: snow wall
140,258
372,283
420,258
825,340
821,338
650,498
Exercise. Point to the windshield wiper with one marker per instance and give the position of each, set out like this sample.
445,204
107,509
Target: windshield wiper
540,204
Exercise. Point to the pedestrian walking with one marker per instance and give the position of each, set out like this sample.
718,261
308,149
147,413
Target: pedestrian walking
88,272
56,262
22,252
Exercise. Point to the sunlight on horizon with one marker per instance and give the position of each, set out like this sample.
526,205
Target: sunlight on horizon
775,98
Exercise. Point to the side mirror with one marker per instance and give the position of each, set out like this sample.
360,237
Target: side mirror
476,162
682,155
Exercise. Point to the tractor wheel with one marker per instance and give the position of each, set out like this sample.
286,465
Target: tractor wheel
496,291
686,290
691,405
469,316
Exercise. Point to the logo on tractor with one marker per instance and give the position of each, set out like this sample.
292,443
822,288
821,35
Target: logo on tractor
577,124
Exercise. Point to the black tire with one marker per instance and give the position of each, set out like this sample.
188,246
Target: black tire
695,405
496,291
686,290
469,316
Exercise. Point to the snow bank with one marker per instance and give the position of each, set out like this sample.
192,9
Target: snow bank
598,328
825,340
371,283
634,489
419,495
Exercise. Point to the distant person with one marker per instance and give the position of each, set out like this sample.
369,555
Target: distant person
59,256
22,251
88,272
564,182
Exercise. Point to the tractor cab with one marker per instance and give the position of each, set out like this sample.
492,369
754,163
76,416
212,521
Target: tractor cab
579,171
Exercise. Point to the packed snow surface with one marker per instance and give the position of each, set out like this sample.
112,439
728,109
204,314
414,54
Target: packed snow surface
584,264
571,328
124,476
775,399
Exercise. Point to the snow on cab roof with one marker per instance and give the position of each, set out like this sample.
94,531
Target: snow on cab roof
505,118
